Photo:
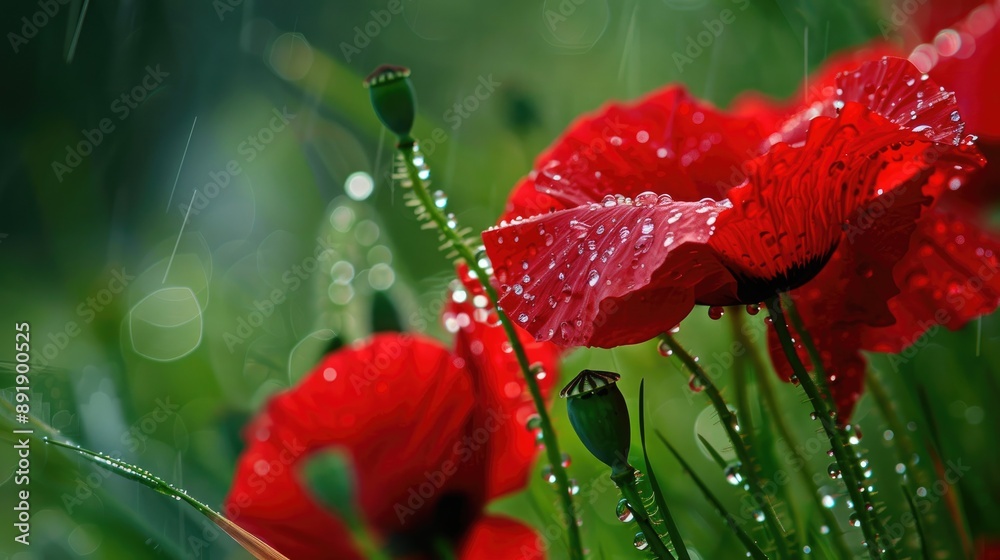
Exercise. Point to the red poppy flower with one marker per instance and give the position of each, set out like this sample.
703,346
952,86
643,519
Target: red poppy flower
642,211
432,436
948,273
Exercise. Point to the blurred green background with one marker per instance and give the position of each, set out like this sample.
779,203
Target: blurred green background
157,337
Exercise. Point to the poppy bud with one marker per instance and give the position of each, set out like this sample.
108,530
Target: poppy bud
599,415
393,99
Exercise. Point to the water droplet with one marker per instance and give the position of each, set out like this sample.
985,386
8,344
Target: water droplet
548,475
716,312
647,226
758,516
900,468
440,199
593,277
623,512
664,349
828,501
833,470
640,541
753,308
574,488
695,384
566,460
824,530
733,475
854,520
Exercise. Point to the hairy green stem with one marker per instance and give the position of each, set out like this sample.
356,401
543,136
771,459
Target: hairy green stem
766,389
625,481
548,433
843,452
728,421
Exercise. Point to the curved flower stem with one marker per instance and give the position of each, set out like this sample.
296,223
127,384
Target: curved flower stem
843,452
729,422
625,481
771,402
548,433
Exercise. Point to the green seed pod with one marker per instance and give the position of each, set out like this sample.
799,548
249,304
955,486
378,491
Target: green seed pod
598,413
393,99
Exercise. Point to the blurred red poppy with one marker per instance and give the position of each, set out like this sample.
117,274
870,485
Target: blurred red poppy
432,436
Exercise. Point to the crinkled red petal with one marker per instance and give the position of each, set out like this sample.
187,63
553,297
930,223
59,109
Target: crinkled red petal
607,274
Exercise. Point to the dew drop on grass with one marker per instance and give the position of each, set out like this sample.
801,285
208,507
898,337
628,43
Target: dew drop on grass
733,475
640,541
623,512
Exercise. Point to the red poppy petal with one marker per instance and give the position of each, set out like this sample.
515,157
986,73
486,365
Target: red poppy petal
381,401
504,404
948,278
668,142
271,502
607,274
501,537
790,118
852,290
798,201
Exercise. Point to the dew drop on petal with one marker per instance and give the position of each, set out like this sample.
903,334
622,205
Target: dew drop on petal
715,312
593,277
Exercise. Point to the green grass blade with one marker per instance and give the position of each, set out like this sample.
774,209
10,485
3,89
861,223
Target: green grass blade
251,543
715,454
751,546
661,504
924,550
